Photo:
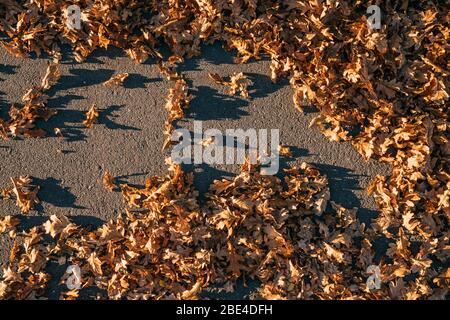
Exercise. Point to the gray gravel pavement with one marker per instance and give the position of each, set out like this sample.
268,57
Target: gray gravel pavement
128,139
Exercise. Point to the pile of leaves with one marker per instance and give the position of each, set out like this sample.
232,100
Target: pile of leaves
159,253
250,214
384,90
22,119
167,246
164,250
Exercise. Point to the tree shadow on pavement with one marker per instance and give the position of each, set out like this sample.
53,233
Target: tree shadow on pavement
343,182
80,78
7,69
107,114
4,108
68,120
204,176
209,104
213,54
263,86
124,179
53,193
136,80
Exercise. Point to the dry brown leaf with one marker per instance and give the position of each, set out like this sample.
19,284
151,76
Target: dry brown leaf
52,76
108,181
91,116
284,151
116,80
8,223
25,193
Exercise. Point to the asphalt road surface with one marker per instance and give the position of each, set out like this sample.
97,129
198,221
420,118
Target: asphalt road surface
129,137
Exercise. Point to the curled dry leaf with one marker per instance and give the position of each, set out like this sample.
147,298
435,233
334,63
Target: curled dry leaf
95,264
24,193
108,181
51,77
91,117
116,80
